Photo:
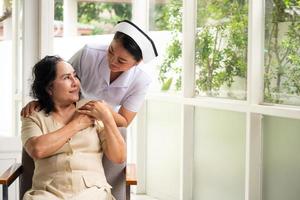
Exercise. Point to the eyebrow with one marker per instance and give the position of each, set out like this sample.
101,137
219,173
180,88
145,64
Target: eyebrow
67,74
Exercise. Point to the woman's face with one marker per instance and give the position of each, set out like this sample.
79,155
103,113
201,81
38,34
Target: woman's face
119,59
66,86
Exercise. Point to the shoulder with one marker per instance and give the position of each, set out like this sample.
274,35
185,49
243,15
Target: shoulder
93,54
36,117
96,48
143,75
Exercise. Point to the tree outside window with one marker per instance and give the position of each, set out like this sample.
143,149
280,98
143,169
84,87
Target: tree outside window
99,17
221,47
282,52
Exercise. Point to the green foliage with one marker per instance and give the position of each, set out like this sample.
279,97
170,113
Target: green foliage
221,44
93,13
58,10
160,16
282,54
171,67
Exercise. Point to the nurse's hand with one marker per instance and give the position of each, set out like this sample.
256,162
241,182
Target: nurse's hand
98,110
30,108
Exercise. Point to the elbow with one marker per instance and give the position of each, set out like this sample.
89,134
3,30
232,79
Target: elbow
119,156
35,151
37,154
120,160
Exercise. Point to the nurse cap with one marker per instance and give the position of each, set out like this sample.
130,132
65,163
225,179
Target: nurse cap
145,43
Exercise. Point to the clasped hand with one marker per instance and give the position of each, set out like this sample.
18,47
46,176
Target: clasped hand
99,110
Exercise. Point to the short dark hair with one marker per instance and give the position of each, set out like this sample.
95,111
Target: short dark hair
44,73
130,45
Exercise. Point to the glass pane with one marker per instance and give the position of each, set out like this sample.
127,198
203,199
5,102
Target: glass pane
281,161
221,48
282,52
10,70
219,155
166,26
163,150
92,19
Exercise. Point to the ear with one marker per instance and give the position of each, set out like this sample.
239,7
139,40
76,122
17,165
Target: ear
49,90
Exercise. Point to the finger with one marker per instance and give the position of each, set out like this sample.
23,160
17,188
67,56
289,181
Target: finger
22,112
37,108
31,109
27,111
86,112
86,107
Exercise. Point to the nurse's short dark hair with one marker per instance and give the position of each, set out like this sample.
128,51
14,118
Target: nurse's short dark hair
130,45
44,73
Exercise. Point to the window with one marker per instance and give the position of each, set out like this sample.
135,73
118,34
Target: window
10,76
167,18
282,52
93,20
221,49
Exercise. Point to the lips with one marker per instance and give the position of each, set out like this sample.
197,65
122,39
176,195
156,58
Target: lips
74,91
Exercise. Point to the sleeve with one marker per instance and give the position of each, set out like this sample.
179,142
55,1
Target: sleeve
75,61
136,97
30,128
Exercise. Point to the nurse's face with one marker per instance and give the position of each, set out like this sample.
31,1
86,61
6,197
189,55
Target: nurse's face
119,59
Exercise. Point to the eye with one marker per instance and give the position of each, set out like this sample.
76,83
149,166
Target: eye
110,51
66,77
121,62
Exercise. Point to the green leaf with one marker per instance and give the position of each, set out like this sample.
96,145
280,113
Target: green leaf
166,85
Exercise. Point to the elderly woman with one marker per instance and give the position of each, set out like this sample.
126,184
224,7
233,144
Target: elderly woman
68,137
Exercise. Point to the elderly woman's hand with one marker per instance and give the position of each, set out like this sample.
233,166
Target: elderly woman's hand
82,121
97,109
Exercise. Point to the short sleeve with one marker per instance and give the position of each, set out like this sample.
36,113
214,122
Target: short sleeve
135,99
30,128
75,61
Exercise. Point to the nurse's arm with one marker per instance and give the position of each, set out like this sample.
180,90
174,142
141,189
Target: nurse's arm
124,117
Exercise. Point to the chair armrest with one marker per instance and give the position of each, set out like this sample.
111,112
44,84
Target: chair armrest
131,178
11,174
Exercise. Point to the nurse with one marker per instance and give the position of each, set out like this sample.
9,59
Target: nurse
113,73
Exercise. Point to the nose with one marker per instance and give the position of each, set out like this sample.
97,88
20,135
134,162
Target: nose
113,60
75,81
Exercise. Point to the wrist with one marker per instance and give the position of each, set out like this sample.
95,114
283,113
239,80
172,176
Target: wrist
74,127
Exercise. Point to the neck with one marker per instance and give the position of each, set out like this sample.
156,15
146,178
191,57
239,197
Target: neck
63,113
114,75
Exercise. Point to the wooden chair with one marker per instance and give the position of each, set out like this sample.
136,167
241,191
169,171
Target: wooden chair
119,176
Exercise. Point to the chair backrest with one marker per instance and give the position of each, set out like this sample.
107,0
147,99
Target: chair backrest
115,174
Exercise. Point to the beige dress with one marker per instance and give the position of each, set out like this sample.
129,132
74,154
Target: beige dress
74,171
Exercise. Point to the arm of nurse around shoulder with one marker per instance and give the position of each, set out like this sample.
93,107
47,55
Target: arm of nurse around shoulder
123,118
113,144
39,145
